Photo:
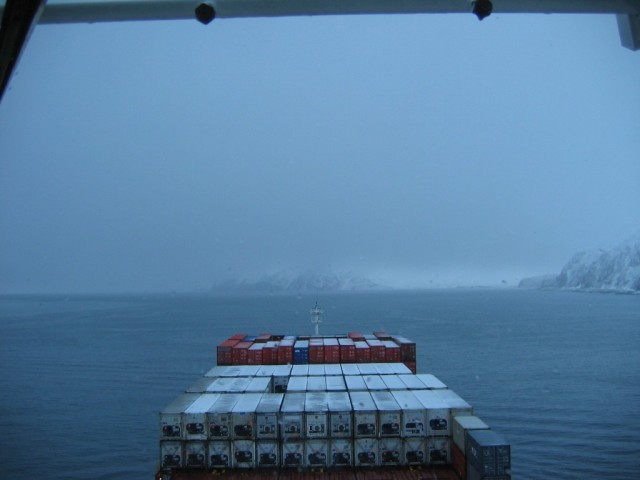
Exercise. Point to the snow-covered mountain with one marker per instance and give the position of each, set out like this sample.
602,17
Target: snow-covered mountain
310,282
617,269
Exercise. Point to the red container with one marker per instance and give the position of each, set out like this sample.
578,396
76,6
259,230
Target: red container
285,352
224,352
458,461
255,356
382,335
378,354
240,353
411,366
331,350
363,352
238,336
355,336
316,350
347,350
270,353
407,349
391,351
263,338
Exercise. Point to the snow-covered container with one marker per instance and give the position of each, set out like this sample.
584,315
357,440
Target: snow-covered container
267,454
390,451
194,418
340,415
415,450
438,413
292,453
219,455
439,449
267,414
461,425
244,453
292,416
171,454
389,414
365,452
195,454
171,416
341,452
316,452
316,415
414,415
243,416
219,416
365,414
355,383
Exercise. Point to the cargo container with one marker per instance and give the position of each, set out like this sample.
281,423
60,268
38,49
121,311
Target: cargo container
383,368
224,352
316,370
439,450
300,370
195,453
411,366
267,454
292,416
297,384
407,349
438,413
355,336
238,336
363,352
415,451
458,461
292,453
217,371
270,353
301,352
316,350
367,369
341,453
171,455
350,369
285,351
259,385
355,383
430,381
413,413
243,453
347,350
332,370
335,383
365,452
473,474
255,354
267,415
316,452
340,415
488,452
391,351
219,417
201,385
243,416
266,371
316,384
412,382
389,414
171,416
331,350
281,378
461,425
263,337
374,382
249,338
194,418
316,412
400,369
456,405
219,454
390,451
240,353
393,382
365,414
382,335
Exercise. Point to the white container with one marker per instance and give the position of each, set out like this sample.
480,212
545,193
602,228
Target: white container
171,416
201,385
259,385
229,385
389,414
390,451
195,454
243,416
316,415
171,454
332,369
239,385
456,404
374,382
335,383
282,371
316,384
350,369
439,449
355,383
267,454
341,454
365,414
461,425
297,384
247,370
340,415
367,368
412,382
316,370
292,416
292,453
316,453
267,415
415,451
400,369
219,417
438,413
244,453
430,381
266,370
194,418
219,454
393,382
300,370
217,371
383,368
365,452
414,415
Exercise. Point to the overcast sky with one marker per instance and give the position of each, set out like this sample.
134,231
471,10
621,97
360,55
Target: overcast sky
426,149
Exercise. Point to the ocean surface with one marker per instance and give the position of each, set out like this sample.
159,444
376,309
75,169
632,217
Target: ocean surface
82,378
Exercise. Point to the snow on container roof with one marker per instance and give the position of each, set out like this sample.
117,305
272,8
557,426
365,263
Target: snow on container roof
362,401
203,403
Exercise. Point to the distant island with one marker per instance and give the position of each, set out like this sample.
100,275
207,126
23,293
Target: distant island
288,282
614,270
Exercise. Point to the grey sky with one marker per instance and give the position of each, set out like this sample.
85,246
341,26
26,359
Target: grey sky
167,155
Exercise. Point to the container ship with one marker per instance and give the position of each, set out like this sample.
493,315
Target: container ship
350,406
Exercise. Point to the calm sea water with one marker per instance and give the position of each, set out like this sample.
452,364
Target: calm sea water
557,374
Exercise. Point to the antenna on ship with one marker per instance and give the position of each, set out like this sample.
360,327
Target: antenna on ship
316,313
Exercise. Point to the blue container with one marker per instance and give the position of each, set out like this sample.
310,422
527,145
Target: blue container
301,352
488,453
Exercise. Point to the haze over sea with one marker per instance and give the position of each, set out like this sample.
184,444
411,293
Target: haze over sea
82,378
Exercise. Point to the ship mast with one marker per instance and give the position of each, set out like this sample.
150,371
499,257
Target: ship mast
316,313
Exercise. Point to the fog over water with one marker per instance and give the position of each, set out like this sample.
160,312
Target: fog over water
420,150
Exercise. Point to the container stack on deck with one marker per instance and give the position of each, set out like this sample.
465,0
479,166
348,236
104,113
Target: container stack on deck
291,404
